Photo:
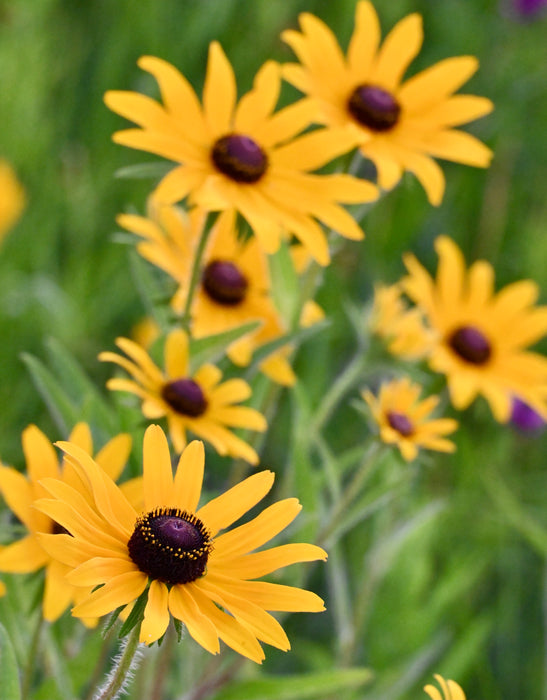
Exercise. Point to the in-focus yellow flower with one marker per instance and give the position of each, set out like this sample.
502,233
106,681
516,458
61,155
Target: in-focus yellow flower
20,492
234,280
403,328
480,336
173,548
243,155
399,125
405,421
198,402
450,690
12,198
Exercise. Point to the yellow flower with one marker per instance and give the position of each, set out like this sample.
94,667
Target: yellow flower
197,402
20,492
450,690
405,421
12,198
399,125
480,336
242,155
403,328
234,286
173,548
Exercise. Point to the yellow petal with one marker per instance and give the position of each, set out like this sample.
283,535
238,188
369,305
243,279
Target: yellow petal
23,556
219,91
257,105
98,570
258,564
225,509
189,477
272,596
57,592
120,590
364,41
399,48
17,493
42,460
157,470
176,354
156,613
114,455
459,147
183,606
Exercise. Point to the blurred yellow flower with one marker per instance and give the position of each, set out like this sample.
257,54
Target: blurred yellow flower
242,155
12,198
20,492
398,125
198,402
172,548
481,336
404,329
405,421
450,690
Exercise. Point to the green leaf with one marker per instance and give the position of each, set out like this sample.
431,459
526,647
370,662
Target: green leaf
309,685
9,674
140,171
285,284
213,347
136,615
62,409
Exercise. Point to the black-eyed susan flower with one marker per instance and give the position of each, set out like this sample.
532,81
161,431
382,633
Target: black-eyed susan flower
450,690
403,328
198,402
481,336
243,155
12,198
400,126
20,492
175,550
405,421
234,282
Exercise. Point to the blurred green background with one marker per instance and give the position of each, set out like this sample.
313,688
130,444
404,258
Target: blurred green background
464,593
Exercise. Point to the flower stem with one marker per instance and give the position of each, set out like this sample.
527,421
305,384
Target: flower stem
194,278
124,666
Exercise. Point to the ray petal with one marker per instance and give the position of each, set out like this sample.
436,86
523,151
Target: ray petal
219,92
157,470
189,477
156,613
120,590
183,606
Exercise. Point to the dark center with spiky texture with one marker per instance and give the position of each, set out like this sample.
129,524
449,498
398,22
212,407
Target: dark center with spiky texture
400,423
374,107
185,396
224,282
170,545
471,345
239,158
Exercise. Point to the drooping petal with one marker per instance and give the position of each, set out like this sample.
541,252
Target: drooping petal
156,613
183,606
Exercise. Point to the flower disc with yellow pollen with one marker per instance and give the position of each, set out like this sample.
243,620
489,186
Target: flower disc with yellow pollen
191,564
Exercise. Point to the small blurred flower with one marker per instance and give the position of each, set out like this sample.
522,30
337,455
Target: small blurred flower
241,155
450,690
20,492
12,198
525,418
173,549
404,329
198,402
405,421
529,7
398,125
481,336
234,284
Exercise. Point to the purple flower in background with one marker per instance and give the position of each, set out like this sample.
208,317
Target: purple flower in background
529,7
525,418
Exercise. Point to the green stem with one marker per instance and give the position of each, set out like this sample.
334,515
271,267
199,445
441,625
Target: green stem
196,272
124,665
31,660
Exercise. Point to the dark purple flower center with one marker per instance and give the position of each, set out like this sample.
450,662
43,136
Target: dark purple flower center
239,158
400,423
224,282
170,545
185,396
471,345
374,107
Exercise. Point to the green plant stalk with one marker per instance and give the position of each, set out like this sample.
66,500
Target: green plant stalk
121,673
194,278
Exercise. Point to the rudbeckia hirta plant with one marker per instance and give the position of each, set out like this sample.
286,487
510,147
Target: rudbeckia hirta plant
174,551
405,421
20,493
399,125
242,155
450,690
198,401
233,281
12,198
481,337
